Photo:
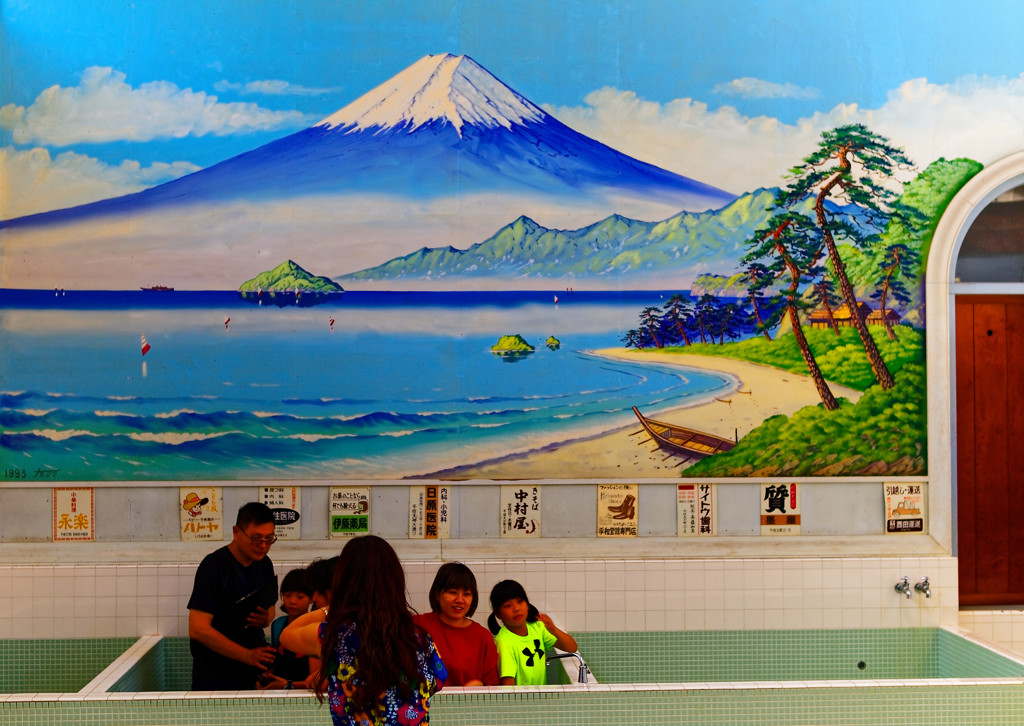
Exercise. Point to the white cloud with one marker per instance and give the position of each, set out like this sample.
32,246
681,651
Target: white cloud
977,117
757,88
103,108
271,87
36,182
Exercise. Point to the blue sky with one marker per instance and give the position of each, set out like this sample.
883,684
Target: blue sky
249,71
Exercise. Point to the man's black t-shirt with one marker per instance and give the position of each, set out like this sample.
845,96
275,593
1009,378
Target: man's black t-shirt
229,592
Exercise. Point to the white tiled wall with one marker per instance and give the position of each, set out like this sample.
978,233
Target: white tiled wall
581,595
1002,627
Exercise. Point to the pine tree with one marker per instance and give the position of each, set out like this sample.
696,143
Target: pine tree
852,164
789,246
678,311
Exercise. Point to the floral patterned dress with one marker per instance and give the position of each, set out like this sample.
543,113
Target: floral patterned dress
392,709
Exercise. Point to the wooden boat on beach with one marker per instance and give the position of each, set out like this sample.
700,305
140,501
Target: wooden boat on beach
682,441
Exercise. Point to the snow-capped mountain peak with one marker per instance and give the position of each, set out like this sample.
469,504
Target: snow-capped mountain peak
453,88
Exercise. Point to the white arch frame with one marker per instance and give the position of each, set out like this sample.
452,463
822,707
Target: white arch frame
940,287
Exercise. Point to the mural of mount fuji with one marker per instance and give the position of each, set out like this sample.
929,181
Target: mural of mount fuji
442,154
652,217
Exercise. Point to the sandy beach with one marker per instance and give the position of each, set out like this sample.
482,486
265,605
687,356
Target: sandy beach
759,392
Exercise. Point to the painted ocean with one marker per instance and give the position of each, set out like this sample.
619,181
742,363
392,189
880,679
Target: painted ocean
371,385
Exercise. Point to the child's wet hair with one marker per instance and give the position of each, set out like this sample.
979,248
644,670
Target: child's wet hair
295,581
320,574
501,593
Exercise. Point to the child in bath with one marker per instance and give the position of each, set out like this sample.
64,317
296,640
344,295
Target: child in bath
524,636
291,670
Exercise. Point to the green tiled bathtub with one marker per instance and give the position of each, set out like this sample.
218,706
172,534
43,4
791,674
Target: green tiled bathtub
926,677
167,666
789,655
704,656
55,666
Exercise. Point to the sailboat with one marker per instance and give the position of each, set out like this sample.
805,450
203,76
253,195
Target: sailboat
145,346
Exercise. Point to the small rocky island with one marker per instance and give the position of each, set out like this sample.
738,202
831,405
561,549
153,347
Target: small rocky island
511,346
289,277
553,343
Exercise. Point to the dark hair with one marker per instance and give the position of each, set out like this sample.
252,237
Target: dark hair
369,591
295,581
453,576
253,513
503,592
320,574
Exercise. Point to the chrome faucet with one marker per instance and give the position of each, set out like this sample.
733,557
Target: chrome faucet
924,587
579,658
903,586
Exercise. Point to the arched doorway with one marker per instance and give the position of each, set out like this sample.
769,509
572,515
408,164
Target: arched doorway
976,277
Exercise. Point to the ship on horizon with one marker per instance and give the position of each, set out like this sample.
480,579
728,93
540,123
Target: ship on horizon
157,288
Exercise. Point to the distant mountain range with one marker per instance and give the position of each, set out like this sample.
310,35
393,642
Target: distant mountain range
616,250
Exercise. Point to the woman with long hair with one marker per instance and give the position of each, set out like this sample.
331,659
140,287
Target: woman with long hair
377,666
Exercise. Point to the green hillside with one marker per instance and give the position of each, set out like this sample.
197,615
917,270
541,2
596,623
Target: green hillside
290,276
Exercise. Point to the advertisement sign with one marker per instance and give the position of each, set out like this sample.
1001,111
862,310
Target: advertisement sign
695,510
349,513
429,508
617,510
200,514
780,509
73,515
286,504
904,508
520,511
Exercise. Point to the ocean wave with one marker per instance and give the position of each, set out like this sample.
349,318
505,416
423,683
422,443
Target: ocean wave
181,424
152,429
54,435
175,439
320,437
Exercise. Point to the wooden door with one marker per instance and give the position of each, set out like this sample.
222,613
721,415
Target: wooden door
990,448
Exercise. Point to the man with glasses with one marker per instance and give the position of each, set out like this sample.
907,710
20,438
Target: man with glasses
232,602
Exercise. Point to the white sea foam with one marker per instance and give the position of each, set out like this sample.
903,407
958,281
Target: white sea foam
176,412
176,438
55,435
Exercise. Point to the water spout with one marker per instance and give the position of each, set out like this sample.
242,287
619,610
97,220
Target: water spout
923,586
903,586
583,671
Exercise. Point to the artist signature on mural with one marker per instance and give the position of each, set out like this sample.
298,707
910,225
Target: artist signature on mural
39,473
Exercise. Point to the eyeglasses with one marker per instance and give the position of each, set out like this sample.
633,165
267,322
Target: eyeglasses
257,540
